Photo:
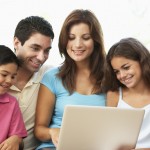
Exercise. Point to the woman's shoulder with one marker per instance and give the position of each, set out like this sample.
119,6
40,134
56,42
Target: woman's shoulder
112,98
52,71
50,76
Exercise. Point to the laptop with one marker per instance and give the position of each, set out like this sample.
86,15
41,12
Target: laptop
99,128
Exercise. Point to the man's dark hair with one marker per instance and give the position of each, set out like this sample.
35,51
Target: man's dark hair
33,24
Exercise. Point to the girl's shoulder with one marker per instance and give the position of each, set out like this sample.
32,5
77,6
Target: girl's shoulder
112,98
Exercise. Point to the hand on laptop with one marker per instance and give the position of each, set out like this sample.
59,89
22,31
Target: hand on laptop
126,148
129,148
54,133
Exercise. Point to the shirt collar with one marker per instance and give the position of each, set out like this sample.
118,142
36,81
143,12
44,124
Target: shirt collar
35,78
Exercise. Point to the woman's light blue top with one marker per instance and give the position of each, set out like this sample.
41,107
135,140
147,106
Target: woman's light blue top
54,84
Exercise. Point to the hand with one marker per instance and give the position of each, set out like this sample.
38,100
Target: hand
129,148
11,143
54,133
126,148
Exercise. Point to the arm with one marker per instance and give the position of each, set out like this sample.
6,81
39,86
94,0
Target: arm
11,143
21,145
16,129
142,149
112,99
44,111
127,148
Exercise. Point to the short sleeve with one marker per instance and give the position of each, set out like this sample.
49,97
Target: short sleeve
50,79
17,126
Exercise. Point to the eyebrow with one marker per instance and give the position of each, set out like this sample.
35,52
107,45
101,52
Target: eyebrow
124,65
121,66
7,72
82,34
37,45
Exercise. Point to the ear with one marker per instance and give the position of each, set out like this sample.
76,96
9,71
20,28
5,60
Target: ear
16,44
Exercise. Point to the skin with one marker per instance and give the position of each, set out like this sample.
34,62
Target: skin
129,73
8,74
80,44
79,47
33,54
11,143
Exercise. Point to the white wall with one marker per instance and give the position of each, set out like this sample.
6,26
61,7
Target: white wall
119,19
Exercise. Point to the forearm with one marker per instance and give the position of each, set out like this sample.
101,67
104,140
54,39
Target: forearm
42,133
11,142
143,149
21,145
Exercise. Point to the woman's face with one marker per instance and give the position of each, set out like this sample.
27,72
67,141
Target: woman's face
80,43
127,71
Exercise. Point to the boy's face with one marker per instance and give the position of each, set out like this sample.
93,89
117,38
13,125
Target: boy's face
34,52
8,74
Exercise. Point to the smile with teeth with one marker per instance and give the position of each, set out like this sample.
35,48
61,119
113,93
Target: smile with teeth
127,80
36,63
78,52
5,86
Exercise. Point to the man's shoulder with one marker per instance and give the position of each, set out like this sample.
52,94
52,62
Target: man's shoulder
45,71
38,75
45,68
52,71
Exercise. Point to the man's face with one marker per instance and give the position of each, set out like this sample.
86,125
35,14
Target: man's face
34,52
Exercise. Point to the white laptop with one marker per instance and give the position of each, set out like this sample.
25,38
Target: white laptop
99,128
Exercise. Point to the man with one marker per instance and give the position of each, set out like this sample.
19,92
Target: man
32,42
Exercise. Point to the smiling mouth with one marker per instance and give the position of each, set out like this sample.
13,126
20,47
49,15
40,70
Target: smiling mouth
36,64
126,81
5,86
78,52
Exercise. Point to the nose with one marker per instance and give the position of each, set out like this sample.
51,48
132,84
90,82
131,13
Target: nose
9,79
41,56
122,74
78,42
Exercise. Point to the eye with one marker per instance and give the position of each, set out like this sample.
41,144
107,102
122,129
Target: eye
126,67
35,48
86,37
3,75
47,51
71,37
13,76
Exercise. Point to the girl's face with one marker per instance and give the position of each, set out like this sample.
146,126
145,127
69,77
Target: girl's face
127,71
80,43
8,74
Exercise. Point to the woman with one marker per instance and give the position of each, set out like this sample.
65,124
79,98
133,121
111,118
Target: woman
77,81
127,81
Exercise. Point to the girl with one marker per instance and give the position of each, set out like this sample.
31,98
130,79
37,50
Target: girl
127,81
